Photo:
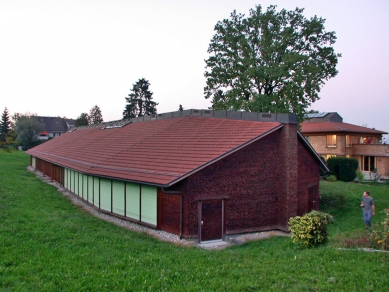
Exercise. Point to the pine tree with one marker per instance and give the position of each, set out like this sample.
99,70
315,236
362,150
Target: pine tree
5,125
140,101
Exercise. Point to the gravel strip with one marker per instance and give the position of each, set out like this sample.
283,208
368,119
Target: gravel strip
159,234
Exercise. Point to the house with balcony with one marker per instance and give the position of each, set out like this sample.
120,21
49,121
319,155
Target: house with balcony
330,136
54,126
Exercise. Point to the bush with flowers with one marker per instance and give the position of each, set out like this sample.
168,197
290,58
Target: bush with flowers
382,236
311,229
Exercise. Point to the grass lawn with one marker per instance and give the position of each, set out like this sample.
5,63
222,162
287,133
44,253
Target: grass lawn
48,244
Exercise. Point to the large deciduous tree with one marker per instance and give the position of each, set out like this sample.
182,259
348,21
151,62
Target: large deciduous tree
27,128
95,115
140,101
269,61
82,120
5,125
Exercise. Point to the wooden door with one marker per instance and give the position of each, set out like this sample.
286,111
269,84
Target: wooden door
211,224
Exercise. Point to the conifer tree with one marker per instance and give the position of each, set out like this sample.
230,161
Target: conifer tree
140,101
5,125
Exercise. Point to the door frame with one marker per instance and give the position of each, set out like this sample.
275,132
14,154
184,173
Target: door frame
199,216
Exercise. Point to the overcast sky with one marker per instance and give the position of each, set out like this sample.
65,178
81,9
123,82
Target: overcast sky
60,58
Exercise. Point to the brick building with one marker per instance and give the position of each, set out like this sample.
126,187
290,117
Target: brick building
330,136
200,174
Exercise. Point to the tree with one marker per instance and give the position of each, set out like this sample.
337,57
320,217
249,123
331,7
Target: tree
5,125
28,127
95,115
180,108
269,61
140,101
82,120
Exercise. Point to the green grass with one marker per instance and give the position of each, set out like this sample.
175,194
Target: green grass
48,244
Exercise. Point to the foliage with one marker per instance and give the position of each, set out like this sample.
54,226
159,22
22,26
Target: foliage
82,120
5,125
48,244
358,239
140,101
95,115
9,149
311,229
331,178
360,175
28,127
269,61
344,168
382,235
330,201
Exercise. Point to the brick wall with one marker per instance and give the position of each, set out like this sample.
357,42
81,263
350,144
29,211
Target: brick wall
259,184
308,182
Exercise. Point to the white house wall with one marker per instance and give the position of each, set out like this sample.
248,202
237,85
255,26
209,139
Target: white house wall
134,201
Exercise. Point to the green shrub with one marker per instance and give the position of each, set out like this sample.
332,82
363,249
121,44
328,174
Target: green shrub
311,229
333,165
331,178
344,168
360,175
347,169
330,201
382,236
358,239
9,149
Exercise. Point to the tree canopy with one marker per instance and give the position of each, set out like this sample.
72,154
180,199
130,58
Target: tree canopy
95,115
28,127
82,120
140,101
269,61
5,125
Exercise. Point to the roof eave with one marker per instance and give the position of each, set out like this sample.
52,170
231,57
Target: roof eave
308,146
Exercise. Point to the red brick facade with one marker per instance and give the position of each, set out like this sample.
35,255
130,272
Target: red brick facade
211,176
254,184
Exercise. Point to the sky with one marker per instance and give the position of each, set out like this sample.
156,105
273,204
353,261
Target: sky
61,58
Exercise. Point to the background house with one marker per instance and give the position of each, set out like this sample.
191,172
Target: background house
197,173
54,126
329,136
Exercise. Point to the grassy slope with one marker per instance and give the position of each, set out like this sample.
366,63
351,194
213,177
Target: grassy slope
48,244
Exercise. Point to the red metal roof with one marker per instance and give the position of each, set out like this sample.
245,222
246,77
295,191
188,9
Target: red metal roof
335,127
159,152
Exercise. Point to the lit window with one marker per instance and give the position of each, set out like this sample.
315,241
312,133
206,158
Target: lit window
328,156
348,141
331,140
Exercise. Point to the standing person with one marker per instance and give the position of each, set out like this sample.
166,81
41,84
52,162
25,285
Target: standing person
368,208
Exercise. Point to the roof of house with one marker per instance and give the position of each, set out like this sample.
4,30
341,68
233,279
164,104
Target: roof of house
160,151
54,124
336,127
323,116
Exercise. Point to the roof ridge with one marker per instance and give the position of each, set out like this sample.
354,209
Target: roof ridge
336,124
139,141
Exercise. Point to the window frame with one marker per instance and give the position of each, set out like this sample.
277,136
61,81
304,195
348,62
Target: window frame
329,138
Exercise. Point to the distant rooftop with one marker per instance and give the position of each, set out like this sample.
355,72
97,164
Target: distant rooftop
324,116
